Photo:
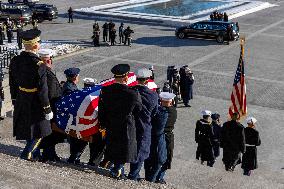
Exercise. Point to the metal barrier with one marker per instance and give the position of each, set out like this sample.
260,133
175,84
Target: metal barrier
6,55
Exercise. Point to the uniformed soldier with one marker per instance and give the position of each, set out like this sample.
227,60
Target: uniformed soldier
29,93
120,33
186,84
143,121
158,151
127,33
89,82
70,14
153,74
1,93
19,39
204,139
119,99
1,34
96,34
112,36
72,78
172,116
216,126
111,25
232,142
105,31
249,160
54,93
9,30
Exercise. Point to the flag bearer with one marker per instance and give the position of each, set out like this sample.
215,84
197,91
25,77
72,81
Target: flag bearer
29,93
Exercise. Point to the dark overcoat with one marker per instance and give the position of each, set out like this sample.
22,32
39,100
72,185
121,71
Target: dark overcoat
204,138
186,84
143,121
117,109
26,72
216,138
249,160
232,141
54,88
69,87
158,152
172,117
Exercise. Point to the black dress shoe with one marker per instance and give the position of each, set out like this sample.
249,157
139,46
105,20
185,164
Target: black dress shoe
187,105
162,181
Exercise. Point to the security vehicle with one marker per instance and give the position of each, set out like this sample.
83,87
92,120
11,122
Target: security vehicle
15,12
43,12
208,29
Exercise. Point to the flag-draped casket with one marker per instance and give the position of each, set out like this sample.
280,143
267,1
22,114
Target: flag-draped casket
76,113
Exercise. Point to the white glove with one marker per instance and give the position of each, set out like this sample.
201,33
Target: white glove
49,116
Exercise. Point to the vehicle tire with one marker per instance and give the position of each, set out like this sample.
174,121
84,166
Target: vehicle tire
220,39
181,35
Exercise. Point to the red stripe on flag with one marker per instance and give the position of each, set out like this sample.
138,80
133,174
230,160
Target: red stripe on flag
92,106
233,99
91,131
84,121
238,95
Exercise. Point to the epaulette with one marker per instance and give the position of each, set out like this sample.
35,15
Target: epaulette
39,63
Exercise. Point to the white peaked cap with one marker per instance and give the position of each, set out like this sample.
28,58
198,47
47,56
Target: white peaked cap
251,120
166,96
89,80
45,52
206,113
143,73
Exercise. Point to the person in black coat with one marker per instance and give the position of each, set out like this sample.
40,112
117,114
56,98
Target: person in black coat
112,36
204,139
1,34
172,116
158,152
226,18
118,108
249,160
143,121
70,15
216,126
29,94
127,33
186,83
1,93
105,31
54,93
232,142
19,39
111,25
120,33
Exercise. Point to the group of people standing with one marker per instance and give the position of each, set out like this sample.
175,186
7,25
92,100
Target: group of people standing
219,16
110,34
232,137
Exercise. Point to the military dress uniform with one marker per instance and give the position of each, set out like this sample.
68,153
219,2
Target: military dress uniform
29,93
117,109
1,93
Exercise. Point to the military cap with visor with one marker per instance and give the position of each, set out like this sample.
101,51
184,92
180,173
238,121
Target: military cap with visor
72,72
30,37
120,70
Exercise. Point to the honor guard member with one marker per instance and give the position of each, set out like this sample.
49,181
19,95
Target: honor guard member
105,31
29,93
89,82
216,126
1,34
249,160
152,71
118,107
127,33
232,142
19,39
72,78
158,150
54,93
172,117
143,121
204,139
186,84
1,93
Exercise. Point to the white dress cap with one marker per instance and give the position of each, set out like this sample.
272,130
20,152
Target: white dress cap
251,120
45,52
89,81
206,113
166,96
143,73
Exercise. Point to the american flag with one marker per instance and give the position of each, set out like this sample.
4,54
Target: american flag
78,111
238,95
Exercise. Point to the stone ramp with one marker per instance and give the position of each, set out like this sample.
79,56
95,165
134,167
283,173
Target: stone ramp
17,173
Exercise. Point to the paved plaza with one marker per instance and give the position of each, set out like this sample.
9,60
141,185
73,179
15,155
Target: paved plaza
213,66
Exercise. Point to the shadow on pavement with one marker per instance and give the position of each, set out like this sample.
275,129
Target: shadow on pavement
10,150
172,41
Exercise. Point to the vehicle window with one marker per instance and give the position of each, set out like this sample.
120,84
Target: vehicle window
216,27
208,26
194,26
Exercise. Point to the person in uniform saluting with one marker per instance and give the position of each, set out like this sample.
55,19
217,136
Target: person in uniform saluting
29,93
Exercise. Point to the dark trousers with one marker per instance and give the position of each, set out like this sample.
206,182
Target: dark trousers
112,40
1,39
117,170
31,150
96,41
105,36
48,145
77,147
70,18
135,170
162,173
128,40
247,172
151,170
109,36
121,39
